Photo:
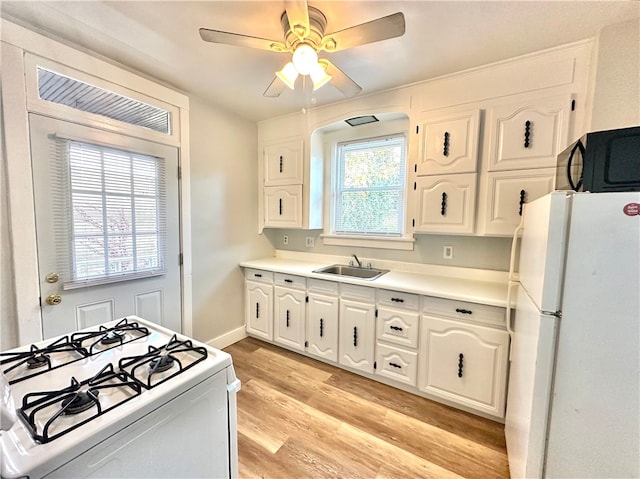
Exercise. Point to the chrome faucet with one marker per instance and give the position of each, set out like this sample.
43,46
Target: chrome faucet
357,261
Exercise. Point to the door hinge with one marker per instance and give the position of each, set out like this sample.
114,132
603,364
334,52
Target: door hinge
573,105
180,259
375,365
413,222
376,313
415,168
417,129
306,300
306,344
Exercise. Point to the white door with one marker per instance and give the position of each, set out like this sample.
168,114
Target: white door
107,225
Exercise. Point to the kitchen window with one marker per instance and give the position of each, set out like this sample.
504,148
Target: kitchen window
113,213
369,193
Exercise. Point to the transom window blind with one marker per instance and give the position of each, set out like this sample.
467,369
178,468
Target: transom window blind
370,186
111,213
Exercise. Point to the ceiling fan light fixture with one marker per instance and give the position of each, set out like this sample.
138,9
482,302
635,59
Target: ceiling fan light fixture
319,76
304,58
288,75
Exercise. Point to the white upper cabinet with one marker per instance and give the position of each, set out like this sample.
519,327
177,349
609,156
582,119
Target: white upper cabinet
283,206
527,132
447,142
283,162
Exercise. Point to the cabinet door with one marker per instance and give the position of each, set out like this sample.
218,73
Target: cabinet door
528,133
357,335
465,364
322,326
283,206
508,192
259,309
448,143
445,204
283,163
289,318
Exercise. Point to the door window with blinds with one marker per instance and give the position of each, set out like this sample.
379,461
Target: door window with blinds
369,191
111,211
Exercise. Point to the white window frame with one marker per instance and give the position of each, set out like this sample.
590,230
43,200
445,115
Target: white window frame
404,240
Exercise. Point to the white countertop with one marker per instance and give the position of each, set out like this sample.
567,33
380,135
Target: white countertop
476,286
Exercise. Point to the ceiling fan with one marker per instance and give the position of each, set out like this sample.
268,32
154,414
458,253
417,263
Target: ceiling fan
304,37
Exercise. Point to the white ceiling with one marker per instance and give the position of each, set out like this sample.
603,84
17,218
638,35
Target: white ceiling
161,39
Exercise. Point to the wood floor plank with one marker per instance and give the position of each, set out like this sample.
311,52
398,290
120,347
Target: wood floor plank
301,418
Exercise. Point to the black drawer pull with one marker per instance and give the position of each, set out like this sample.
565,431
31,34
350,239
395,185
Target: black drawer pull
443,205
287,280
258,275
355,336
397,300
395,328
321,327
460,364
527,133
257,310
287,317
394,365
445,150
463,311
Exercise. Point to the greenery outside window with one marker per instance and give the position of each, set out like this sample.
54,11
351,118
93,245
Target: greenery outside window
369,187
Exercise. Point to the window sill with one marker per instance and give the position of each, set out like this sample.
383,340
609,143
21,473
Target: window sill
404,243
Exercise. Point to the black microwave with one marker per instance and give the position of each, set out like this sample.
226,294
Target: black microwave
601,161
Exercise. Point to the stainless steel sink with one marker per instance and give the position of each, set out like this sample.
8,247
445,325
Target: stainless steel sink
352,271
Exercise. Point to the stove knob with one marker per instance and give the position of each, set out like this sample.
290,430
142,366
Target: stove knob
54,299
52,278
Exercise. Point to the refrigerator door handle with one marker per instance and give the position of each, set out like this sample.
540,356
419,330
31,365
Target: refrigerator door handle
510,287
513,276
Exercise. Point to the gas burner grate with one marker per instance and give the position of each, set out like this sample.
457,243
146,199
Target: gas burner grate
45,412
26,364
106,338
161,364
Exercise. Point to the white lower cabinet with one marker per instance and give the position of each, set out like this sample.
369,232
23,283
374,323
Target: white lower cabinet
356,338
258,309
464,364
289,308
322,319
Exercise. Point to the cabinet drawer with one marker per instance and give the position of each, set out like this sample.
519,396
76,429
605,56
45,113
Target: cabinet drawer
357,293
397,364
395,299
290,281
319,286
478,313
259,275
398,327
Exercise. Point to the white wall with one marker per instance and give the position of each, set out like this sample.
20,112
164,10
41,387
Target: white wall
616,102
224,215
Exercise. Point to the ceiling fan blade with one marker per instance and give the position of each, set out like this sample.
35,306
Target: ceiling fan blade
275,88
298,15
340,79
216,36
383,28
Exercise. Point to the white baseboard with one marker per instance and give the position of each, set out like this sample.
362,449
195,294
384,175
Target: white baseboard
227,339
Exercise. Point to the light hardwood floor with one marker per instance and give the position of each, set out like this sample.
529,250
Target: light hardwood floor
301,418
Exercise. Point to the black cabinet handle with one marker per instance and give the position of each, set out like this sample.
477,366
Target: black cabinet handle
394,365
287,318
527,133
258,275
460,364
445,150
321,327
280,206
397,300
257,310
463,311
280,163
287,280
395,328
523,195
355,336
443,205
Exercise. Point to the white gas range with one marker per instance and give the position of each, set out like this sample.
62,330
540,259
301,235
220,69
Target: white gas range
127,399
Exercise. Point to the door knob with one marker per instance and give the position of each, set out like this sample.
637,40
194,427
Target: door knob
54,299
52,278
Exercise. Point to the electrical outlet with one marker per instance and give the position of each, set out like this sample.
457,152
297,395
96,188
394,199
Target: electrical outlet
285,239
310,242
447,252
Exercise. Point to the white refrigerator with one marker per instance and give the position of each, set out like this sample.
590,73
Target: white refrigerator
573,407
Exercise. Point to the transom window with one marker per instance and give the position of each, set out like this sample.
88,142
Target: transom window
115,217
369,191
